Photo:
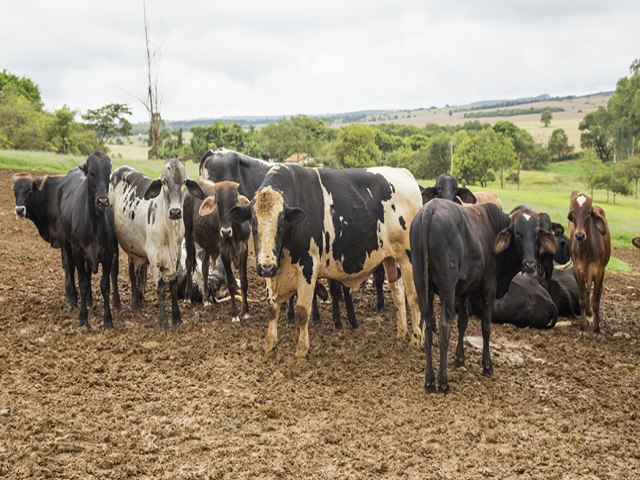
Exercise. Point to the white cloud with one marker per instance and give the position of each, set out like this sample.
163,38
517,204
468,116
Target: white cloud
254,57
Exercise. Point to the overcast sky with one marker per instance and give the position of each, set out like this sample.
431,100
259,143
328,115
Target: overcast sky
263,57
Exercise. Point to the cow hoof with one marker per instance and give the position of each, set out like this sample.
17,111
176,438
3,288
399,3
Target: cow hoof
458,362
301,352
444,387
430,387
417,340
487,371
269,346
235,319
584,325
245,316
207,303
107,326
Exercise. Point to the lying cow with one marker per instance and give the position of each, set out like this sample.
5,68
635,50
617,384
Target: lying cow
526,304
87,224
590,244
339,224
468,253
149,227
207,222
563,290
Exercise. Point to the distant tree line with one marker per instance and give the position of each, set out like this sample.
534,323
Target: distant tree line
511,112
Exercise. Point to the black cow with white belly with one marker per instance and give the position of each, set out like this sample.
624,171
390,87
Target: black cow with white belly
320,223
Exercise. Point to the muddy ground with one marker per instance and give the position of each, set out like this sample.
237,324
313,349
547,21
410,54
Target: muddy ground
203,401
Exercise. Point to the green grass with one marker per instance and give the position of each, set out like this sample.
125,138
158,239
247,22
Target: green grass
56,163
616,265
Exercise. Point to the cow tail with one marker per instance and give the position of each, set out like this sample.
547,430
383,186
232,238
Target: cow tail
420,257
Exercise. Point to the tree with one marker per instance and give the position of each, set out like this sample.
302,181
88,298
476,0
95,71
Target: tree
597,133
481,154
435,158
300,134
109,121
356,146
24,86
631,168
591,170
613,179
22,125
217,135
558,146
546,117
62,129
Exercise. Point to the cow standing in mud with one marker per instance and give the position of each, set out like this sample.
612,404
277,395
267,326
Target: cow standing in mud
149,227
320,223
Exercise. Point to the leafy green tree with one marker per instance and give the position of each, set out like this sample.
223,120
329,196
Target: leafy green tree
482,154
597,133
624,108
591,170
613,179
558,146
63,129
631,169
217,135
23,126
418,141
387,142
356,146
109,121
546,117
25,87
435,158
300,134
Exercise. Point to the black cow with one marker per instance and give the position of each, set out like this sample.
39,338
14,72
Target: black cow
207,222
37,199
446,187
526,304
223,164
312,223
564,291
468,253
87,225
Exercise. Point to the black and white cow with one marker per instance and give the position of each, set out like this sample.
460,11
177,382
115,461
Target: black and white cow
87,225
339,224
37,199
149,227
469,253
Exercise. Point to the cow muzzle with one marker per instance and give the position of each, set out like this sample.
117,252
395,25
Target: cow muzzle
175,214
268,271
580,236
21,211
102,202
528,267
225,232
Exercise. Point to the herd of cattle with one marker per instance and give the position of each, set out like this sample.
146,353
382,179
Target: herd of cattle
315,223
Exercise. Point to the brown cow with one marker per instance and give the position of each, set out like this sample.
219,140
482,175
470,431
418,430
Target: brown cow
636,242
590,245
488,197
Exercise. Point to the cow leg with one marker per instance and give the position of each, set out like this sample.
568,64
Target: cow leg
348,303
397,293
233,287
135,294
447,310
291,315
463,321
271,339
595,301
205,280
107,319
303,311
190,263
583,298
417,337
487,311
378,281
430,374
175,307
315,311
117,304
336,293
244,284
84,282
160,293
69,274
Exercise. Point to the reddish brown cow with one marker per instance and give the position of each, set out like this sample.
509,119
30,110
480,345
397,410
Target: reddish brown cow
636,242
590,245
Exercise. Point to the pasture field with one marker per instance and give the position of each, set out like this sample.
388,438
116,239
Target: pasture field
204,402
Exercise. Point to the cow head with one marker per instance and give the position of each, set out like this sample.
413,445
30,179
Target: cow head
226,197
23,187
580,212
446,187
171,182
97,169
271,220
562,255
529,240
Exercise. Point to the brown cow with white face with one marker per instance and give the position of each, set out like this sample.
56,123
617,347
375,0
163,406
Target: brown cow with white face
590,245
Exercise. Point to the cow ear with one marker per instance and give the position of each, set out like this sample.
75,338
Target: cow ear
601,225
37,183
557,229
240,213
153,190
547,241
83,167
242,200
294,215
466,195
429,193
503,240
194,189
208,206
570,215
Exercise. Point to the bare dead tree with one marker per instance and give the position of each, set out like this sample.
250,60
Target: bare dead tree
152,103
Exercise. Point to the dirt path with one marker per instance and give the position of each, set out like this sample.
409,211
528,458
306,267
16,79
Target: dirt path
204,402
